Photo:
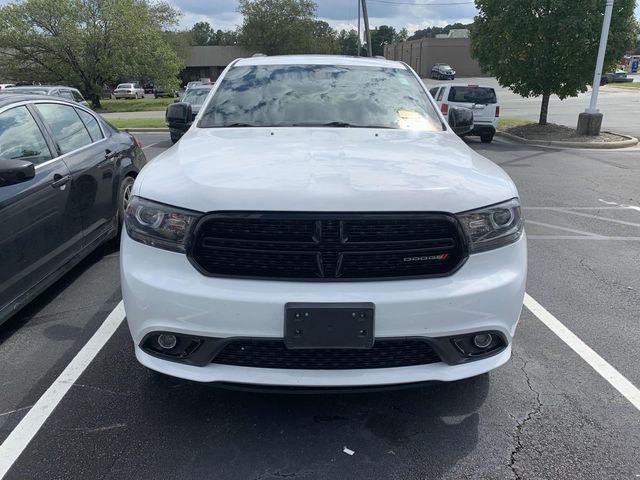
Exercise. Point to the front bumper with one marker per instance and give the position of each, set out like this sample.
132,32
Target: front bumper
162,291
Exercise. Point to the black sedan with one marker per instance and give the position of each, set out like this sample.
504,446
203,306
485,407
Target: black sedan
180,115
65,179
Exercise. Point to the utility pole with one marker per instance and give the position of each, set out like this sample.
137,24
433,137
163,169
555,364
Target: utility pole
359,42
367,32
590,121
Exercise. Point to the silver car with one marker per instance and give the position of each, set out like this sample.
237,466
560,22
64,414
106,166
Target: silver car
68,93
128,90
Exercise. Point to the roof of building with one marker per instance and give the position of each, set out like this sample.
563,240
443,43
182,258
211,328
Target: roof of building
215,55
320,60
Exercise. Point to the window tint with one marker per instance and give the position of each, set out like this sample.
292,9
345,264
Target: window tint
433,91
77,96
66,126
440,94
320,95
92,125
66,94
472,95
20,137
196,96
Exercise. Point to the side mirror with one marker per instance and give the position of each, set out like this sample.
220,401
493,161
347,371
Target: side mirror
15,171
179,112
461,120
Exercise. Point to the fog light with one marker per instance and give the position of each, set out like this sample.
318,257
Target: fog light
167,341
483,340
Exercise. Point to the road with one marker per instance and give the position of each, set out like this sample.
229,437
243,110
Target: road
546,414
621,108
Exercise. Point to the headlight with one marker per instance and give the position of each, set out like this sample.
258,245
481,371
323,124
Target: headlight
494,226
159,225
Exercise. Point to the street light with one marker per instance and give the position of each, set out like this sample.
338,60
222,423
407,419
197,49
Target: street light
590,121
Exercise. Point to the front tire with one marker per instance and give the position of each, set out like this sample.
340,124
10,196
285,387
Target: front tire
174,137
123,201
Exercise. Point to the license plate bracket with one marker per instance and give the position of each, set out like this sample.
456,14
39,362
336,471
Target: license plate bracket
329,325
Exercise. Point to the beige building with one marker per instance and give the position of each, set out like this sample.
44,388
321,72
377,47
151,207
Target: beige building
422,54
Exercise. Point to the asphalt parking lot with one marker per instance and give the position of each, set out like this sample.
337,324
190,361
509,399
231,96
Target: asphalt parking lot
547,414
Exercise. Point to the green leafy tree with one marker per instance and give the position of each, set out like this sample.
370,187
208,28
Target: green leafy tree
88,43
202,34
277,27
381,36
228,37
401,36
323,39
348,42
546,47
431,32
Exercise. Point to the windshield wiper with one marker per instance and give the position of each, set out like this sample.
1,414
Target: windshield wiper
239,124
336,124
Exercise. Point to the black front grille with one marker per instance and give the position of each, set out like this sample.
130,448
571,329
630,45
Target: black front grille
321,246
274,354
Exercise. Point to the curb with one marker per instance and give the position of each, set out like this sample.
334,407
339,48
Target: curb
629,142
144,130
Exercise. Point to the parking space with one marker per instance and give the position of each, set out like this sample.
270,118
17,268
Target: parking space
547,413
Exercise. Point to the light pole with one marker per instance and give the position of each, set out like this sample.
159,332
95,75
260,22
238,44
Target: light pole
590,121
367,32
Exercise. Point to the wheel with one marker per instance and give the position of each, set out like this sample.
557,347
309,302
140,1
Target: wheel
486,138
174,137
123,201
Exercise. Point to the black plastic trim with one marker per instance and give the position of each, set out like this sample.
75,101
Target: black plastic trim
195,231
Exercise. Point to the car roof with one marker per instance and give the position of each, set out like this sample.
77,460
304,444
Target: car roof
9,98
472,85
319,60
41,87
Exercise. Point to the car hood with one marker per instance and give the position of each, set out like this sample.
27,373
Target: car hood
323,169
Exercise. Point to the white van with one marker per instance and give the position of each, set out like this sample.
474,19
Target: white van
480,99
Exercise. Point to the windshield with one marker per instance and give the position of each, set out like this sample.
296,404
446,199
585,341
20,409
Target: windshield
196,96
472,95
320,95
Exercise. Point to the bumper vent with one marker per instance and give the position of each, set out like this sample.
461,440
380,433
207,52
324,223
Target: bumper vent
273,354
327,247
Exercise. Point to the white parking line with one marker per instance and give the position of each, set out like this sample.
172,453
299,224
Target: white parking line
149,146
24,432
599,364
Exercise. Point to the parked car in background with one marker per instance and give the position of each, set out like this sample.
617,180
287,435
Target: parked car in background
192,84
443,71
6,85
128,90
150,87
481,100
161,91
620,76
68,93
313,228
65,182
180,115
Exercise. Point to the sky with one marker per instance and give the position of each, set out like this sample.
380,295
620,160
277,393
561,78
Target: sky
412,14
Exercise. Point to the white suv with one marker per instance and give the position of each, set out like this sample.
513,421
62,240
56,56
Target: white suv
481,100
320,225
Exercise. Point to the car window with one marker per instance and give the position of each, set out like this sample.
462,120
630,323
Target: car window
433,92
464,94
196,96
124,85
323,95
21,138
68,130
92,125
440,94
67,94
77,96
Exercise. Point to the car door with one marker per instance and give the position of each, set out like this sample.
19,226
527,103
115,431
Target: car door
40,232
91,162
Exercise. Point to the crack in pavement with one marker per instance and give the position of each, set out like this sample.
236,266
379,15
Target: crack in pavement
610,283
521,425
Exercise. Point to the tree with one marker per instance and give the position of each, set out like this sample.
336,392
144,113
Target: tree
348,42
548,46
277,27
88,43
323,39
228,37
381,36
431,32
202,34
